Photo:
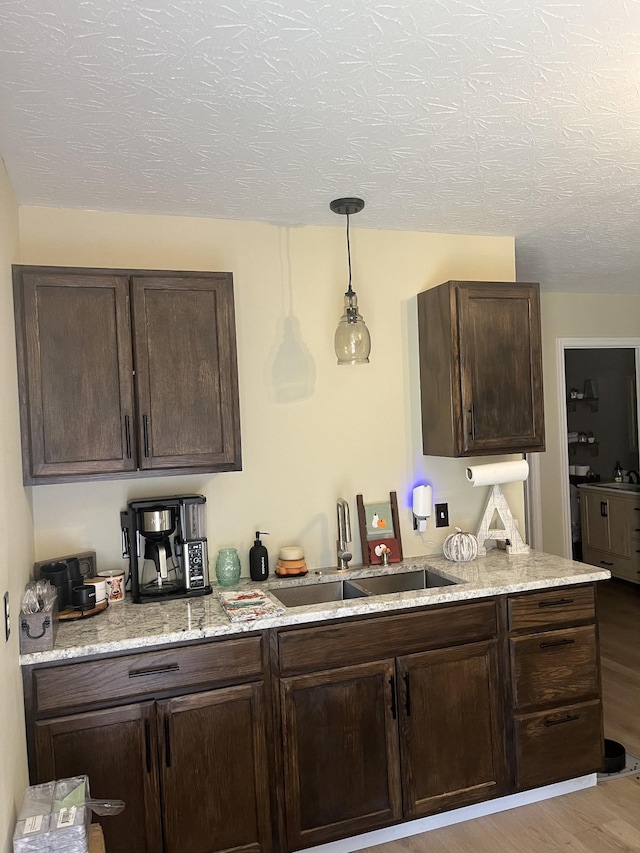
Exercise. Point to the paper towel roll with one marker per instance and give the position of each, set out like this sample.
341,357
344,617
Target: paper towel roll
498,472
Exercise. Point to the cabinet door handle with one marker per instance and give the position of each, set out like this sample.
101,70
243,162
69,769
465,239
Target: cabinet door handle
472,422
570,718
407,694
603,509
147,745
167,743
127,435
557,643
558,602
145,431
605,563
159,670
394,706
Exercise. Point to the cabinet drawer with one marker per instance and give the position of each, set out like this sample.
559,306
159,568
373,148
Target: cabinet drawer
618,566
560,744
114,679
347,643
558,666
552,607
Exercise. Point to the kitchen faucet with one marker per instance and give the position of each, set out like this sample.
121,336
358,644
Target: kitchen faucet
344,534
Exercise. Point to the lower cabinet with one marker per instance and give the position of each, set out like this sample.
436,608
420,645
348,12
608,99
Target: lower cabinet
451,728
555,686
374,720
340,744
370,744
192,769
117,750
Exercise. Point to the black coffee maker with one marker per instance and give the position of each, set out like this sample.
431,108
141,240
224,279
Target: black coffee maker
164,541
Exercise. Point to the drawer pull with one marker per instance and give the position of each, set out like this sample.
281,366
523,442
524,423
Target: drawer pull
559,602
159,670
570,718
603,509
394,707
147,746
407,695
167,742
605,563
127,435
564,642
145,432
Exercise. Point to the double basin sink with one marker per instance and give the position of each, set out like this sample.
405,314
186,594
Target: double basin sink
343,590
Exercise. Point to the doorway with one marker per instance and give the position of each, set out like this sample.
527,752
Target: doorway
599,419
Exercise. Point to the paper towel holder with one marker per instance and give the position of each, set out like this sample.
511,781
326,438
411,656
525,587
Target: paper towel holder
497,505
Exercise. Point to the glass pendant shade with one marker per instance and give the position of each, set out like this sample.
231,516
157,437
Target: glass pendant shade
352,341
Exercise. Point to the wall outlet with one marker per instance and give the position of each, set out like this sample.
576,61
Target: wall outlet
7,618
442,515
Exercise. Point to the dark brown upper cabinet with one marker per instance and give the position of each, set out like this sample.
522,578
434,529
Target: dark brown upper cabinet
481,368
125,373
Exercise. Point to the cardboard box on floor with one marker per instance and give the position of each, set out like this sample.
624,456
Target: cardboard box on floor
96,839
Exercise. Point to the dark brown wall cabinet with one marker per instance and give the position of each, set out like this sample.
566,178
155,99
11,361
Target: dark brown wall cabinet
192,769
125,371
369,741
480,368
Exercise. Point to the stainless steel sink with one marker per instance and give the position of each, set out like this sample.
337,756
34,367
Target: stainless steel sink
403,582
304,595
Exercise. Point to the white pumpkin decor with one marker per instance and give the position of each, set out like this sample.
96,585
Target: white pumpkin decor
460,547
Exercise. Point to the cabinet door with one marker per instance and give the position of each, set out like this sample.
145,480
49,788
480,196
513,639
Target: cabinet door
620,525
451,728
215,782
340,748
500,368
594,520
186,371
75,372
117,750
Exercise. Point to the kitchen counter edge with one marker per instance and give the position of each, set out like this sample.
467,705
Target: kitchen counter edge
131,627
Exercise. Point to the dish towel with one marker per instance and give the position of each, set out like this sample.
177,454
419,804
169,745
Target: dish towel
241,606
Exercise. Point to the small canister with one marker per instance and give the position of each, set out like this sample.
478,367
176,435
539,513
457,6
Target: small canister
100,585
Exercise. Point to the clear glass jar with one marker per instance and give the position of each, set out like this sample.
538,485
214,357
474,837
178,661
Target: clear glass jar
227,567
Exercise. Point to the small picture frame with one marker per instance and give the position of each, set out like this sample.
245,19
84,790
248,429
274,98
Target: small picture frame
379,531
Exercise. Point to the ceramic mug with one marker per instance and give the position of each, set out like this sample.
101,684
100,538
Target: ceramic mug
115,584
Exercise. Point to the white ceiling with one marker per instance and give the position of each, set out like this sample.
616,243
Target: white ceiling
504,117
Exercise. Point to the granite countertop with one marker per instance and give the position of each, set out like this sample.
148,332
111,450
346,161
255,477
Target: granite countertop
626,488
124,626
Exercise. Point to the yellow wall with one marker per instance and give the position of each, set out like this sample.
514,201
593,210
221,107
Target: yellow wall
16,544
311,431
572,315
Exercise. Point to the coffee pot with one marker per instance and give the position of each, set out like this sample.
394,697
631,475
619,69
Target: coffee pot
165,543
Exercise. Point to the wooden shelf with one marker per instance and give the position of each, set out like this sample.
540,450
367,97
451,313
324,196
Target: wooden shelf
592,402
592,446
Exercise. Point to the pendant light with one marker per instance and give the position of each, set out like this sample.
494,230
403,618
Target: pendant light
352,341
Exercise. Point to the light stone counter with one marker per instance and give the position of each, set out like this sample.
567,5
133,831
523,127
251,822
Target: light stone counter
126,626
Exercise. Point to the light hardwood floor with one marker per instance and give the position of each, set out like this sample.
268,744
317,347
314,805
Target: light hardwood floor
604,819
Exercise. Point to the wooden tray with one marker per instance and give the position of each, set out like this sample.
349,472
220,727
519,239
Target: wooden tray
72,613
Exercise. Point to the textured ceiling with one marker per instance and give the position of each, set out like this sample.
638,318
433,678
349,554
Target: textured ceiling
505,117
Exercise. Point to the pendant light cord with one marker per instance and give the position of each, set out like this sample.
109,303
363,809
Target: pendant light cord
349,254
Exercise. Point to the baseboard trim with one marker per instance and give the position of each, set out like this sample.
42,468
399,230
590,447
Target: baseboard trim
426,824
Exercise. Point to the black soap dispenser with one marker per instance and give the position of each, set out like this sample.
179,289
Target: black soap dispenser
259,559
617,473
